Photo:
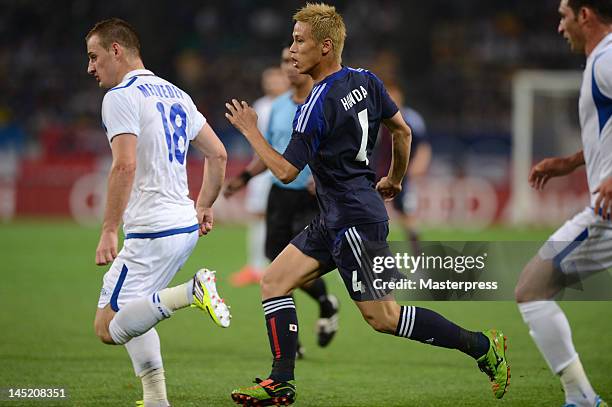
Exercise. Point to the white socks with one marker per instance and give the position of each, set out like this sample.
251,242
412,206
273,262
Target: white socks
256,244
576,385
145,352
154,388
549,328
175,298
133,326
142,314
137,317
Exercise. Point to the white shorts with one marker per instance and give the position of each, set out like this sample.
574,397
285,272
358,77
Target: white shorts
257,191
145,266
583,245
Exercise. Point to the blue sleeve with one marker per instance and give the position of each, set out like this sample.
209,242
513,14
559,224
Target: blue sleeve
301,149
388,106
308,128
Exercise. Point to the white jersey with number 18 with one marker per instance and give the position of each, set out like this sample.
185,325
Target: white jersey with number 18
165,120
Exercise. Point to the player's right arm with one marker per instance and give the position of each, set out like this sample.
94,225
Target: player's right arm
391,185
214,173
120,119
549,168
120,180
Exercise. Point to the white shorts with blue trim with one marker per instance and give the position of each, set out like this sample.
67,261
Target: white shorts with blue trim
145,266
583,245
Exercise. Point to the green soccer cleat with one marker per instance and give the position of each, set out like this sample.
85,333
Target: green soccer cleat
266,393
206,297
495,364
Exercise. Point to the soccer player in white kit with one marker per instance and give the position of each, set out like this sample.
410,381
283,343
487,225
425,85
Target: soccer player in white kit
150,124
583,245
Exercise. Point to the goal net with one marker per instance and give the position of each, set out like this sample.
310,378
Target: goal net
545,123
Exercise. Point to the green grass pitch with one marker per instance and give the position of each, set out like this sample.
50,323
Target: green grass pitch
48,296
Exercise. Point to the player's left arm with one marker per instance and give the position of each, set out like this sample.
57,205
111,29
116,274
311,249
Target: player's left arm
244,119
120,180
391,185
214,174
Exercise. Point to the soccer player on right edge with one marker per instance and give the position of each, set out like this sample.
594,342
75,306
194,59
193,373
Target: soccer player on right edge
334,132
583,245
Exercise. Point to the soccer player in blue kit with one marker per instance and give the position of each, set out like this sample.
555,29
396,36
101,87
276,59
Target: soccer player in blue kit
291,206
334,132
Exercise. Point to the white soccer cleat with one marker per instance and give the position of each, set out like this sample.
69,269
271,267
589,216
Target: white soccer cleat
206,297
327,327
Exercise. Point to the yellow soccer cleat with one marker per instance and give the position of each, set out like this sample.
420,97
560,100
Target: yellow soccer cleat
206,297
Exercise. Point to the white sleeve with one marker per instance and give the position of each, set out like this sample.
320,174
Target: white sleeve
603,73
197,121
603,78
119,114
606,158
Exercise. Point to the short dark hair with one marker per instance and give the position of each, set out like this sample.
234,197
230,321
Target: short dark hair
603,8
115,30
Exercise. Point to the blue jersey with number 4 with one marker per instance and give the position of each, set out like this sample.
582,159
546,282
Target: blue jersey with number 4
334,132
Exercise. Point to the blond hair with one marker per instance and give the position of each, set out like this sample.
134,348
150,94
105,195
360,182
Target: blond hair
325,22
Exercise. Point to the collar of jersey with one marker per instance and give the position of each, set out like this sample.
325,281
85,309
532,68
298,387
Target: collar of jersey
136,72
605,41
334,76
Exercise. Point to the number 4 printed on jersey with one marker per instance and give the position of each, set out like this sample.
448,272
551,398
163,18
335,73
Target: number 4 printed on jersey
357,286
178,139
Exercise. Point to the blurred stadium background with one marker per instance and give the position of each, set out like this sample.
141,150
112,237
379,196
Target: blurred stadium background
459,63
456,62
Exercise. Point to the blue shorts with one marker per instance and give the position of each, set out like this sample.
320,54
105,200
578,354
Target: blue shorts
354,252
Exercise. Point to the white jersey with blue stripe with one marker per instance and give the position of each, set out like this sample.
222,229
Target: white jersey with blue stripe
595,112
165,120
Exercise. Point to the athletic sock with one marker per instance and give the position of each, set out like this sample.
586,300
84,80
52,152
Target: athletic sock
550,330
282,324
576,385
154,388
317,290
175,298
137,317
145,352
424,325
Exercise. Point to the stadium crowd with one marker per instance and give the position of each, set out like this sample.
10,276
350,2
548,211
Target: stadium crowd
454,59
